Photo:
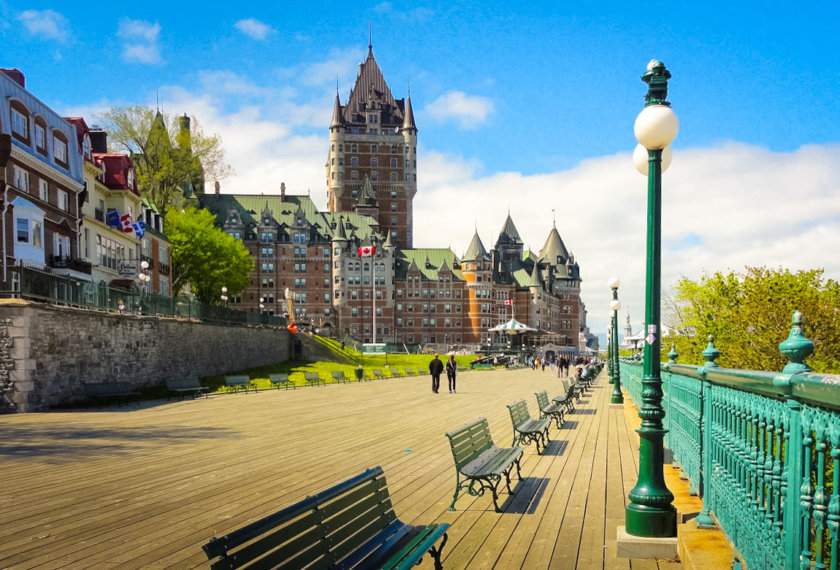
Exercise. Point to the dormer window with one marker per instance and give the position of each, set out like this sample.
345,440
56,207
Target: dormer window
86,146
267,221
129,178
40,138
20,125
60,149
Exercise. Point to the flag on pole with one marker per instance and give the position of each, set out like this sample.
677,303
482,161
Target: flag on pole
366,250
112,218
126,223
139,228
508,301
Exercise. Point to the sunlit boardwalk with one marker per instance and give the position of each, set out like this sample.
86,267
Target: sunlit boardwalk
146,487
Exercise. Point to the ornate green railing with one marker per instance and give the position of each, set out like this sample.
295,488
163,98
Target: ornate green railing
762,449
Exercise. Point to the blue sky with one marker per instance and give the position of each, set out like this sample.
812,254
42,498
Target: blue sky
521,108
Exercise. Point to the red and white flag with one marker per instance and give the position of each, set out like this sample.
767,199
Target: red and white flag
126,223
508,301
366,250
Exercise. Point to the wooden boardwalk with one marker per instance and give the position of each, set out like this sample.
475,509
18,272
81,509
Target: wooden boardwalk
145,487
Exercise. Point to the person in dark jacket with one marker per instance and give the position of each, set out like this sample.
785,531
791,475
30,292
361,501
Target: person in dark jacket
435,369
451,367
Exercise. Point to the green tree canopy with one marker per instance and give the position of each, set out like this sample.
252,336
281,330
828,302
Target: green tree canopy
205,256
749,314
169,170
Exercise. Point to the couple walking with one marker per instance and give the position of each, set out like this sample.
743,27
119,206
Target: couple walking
436,369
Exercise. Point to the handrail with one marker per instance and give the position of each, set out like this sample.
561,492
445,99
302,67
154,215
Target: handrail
761,448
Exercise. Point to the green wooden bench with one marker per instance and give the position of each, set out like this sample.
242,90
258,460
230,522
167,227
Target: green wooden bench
410,372
525,429
313,379
393,373
111,391
549,410
573,390
280,379
237,381
349,525
377,374
479,462
185,386
565,399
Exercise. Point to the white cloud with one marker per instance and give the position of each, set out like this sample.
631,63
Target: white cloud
469,111
724,208
45,24
140,41
254,28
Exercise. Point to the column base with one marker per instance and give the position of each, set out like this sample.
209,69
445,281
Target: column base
629,546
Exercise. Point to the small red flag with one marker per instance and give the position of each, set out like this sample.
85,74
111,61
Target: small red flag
366,250
508,301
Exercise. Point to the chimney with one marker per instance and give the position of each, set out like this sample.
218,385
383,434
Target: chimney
282,191
16,75
98,140
218,187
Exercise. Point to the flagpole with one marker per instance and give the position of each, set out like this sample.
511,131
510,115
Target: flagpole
373,275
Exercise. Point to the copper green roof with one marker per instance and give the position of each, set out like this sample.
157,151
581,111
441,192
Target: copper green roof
428,261
476,249
553,251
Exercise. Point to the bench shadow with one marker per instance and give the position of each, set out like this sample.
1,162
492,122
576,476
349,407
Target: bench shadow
526,497
587,412
569,424
556,447
66,443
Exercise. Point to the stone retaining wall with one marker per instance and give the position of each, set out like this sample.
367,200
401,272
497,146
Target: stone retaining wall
46,352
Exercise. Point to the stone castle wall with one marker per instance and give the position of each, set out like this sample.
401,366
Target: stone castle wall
47,352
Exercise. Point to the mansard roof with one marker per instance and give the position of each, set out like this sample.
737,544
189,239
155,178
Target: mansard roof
371,87
476,249
553,251
429,261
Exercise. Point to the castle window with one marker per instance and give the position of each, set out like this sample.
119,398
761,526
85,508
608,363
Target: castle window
393,206
393,163
374,163
374,148
354,147
354,161
354,175
393,177
374,176
373,118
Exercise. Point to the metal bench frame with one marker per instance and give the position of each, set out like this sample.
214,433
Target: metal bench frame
549,410
527,430
237,381
281,379
313,378
184,386
480,463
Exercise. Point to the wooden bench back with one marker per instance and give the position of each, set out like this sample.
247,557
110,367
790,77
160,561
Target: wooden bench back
542,399
319,531
237,379
377,372
311,376
338,374
182,383
519,413
279,377
469,441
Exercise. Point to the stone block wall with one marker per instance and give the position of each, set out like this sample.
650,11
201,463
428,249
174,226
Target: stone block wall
47,352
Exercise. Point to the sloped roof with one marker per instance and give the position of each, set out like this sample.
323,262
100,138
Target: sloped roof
408,122
428,261
371,83
554,249
509,229
476,249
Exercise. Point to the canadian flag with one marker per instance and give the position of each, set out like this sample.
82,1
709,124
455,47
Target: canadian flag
366,250
508,301
126,223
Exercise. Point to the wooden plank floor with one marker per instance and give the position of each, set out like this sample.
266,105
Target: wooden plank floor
145,487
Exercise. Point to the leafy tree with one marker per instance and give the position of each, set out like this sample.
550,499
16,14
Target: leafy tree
168,172
749,314
205,256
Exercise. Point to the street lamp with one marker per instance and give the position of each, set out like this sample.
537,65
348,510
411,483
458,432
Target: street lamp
651,512
145,278
262,306
615,306
224,296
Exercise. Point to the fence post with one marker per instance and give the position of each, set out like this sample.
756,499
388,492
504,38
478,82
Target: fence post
798,491
704,519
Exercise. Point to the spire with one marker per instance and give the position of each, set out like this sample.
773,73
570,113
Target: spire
367,197
370,39
536,277
476,248
336,116
408,121
510,230
553,251
388,244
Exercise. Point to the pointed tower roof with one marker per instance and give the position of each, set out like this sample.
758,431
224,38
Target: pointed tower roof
340,234
476,248
387,244
536,277
408,121
336,115
510,230
553,251
367,197
369,84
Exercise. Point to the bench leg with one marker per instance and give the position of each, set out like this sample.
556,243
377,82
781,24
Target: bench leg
436,552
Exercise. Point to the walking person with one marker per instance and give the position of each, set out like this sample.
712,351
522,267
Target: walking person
435,369
451,367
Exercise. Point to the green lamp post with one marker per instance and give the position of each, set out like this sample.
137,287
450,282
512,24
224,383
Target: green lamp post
615,306
651,512
610,371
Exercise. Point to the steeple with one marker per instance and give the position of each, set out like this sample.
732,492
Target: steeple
408,121
553,251
336,115
476,248
510,230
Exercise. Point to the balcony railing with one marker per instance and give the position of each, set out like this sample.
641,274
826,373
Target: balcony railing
763,451
64,262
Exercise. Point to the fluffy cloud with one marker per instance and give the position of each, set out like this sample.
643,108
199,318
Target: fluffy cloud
140,41
45,24
469,111
254,29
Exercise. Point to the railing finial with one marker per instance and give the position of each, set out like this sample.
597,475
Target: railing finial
796,347
711,354
672,354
